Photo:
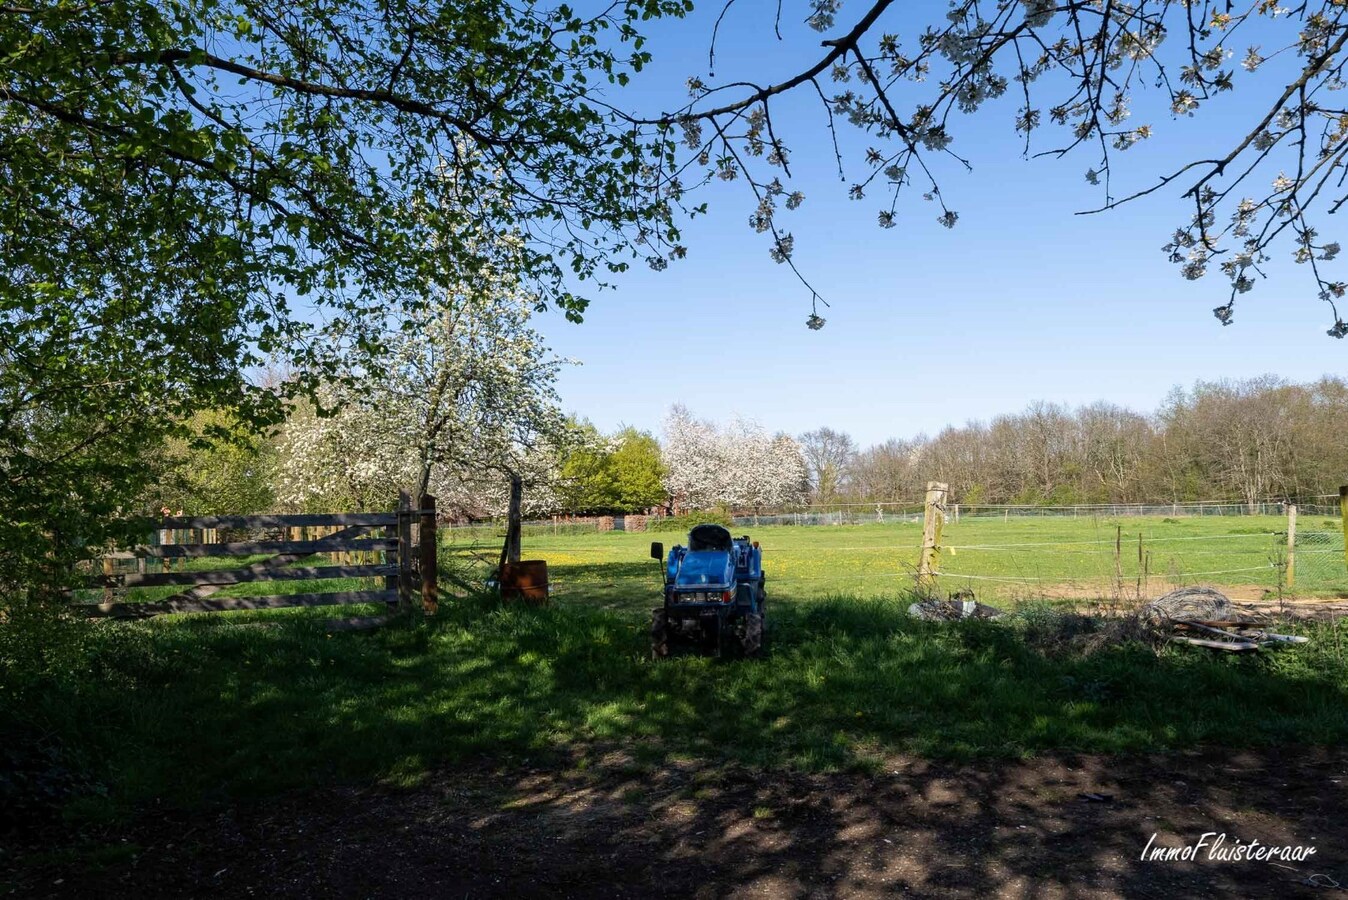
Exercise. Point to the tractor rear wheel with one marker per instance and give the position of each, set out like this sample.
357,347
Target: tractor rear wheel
752,639
659,634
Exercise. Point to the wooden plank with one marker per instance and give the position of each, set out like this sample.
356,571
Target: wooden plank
249,548
228,604
242,576
274,563
1229,646
334,541
1245,632
1209,629
1272,638
280,521
165,537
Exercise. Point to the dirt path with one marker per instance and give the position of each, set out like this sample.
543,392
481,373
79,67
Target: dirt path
1064,827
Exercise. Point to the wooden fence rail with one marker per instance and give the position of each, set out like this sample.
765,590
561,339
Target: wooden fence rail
401,552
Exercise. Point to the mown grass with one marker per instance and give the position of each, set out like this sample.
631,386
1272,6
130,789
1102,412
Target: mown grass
204,710
1015,559
190,711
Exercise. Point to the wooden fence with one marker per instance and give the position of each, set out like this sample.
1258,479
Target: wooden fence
397,547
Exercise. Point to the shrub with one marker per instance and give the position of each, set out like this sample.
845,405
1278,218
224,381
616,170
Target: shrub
1054,631
686,521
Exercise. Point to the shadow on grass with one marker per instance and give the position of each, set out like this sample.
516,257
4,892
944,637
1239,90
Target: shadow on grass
196,709
609,826
194,712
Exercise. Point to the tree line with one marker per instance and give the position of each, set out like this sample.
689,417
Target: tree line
1251,440
1243,440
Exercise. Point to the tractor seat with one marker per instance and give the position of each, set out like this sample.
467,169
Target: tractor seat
710,537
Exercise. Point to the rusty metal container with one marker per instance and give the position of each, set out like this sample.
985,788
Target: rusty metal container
526,580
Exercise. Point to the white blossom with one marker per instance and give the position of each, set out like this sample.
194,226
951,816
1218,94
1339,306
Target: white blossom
466,398
740,465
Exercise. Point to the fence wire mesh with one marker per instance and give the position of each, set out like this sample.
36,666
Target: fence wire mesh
1318,564
1062,552
1131,564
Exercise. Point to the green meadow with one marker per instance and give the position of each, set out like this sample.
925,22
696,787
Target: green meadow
1018,559
104,719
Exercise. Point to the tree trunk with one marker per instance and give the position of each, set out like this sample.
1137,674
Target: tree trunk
510,552
424,482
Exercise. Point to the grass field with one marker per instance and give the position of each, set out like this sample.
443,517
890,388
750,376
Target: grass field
1014,560
1018,559
101,721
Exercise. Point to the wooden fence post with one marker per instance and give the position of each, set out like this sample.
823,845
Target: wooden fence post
404,551
1141,570
430,589
392,581
1343,511
933,518
1291,544
109,570
1118,559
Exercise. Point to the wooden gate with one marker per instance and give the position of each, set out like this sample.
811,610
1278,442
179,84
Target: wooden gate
399,548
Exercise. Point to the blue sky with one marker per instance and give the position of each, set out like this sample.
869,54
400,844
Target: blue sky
1022,301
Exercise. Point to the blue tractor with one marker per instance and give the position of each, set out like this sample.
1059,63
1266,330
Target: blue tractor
714,595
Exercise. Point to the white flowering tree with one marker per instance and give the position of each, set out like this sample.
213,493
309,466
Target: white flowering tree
691,453
740,465
763,470
466,402
349,458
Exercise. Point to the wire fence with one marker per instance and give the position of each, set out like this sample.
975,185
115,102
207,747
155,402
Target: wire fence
1134,564
1254,565
1318,563
882,513
1078,552
891,512
1312,506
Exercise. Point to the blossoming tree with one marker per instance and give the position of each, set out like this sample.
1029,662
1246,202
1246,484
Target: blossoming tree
740,465
466,402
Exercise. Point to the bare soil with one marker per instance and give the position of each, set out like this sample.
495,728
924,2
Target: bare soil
1253,599
1070,826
